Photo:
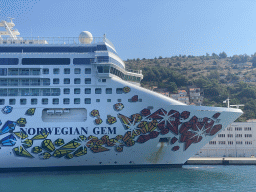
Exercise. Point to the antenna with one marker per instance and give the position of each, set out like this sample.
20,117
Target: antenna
10,18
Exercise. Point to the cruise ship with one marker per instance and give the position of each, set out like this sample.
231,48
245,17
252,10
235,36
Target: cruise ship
70,103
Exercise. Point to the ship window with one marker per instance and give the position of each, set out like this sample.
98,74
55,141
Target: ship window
24,72
98,91
55,101
66,101
97,100
3,92
23,101
46,92
77,70
56,71
24,92
35,92
13,72
13,82
76,101
87,91
87,81
3,71
77,81
24,82
12,101
56,81
45,71
9,61
46,61
33,101
66,71
34,82
1,101
103,59
44,101
66,91
66,81
100,69
108,90
12,92
108,100
3,82
87,100
83,60
34,71
88,71
119,100
55,92
119,90
77,91
104,80
46,81
101,48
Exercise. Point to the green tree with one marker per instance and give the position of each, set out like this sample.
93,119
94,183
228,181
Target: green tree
223,55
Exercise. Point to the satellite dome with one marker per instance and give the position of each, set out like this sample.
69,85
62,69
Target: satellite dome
85,37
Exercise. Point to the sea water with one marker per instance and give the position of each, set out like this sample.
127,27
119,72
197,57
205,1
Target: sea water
188,178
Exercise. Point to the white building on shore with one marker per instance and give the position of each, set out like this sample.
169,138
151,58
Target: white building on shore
237,140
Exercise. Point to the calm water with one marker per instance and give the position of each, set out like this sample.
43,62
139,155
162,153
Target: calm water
188,178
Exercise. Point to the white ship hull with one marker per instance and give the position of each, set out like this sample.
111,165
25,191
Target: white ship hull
150,132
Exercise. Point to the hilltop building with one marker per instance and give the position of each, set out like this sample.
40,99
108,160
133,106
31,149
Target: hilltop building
195,96
181,96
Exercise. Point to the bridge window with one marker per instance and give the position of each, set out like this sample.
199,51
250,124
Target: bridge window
9,61
46,61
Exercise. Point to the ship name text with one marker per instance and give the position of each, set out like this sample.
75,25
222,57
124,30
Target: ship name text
69,130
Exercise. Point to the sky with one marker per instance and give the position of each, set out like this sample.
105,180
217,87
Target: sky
143,28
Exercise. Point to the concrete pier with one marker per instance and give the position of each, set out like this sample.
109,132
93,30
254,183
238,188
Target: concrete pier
221,161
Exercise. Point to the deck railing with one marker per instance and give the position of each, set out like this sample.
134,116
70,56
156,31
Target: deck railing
50,41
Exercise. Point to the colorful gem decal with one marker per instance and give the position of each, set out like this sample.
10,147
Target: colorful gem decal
8,127
118,106
7,109
37,149
30,111
48,145
42,135
98,121
196,129
27,143
95,113
71,145
111,120
20,151
60,153
135,98
59,142
21,122
126,89
140,128
21,134
44,155
10,140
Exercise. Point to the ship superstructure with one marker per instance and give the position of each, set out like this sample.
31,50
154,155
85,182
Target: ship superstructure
69,102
